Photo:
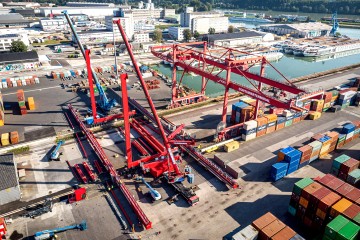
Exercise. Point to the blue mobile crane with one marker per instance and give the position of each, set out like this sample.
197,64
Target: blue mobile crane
55,154
50,234
335,24
104,103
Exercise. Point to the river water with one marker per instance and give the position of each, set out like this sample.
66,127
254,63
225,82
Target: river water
288,65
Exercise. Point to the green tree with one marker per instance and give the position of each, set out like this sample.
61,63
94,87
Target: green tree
158,35
196,34
211,30
187,35
231,29
18,46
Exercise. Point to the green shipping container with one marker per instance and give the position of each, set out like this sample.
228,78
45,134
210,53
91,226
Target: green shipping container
349,232
335,225
334,93
300,185
292,210
339,160
288,123
22,103
354,176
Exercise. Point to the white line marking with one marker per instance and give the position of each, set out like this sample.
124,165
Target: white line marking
33,90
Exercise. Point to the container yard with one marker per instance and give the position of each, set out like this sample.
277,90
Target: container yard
121,152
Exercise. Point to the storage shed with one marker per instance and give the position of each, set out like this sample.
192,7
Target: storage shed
9,181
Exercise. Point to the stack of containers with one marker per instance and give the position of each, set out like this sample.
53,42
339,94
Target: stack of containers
317,105
280,123
337,163
316,147
357,129
278,170
306,151
314,115
236,113
289,118
31,103
341,140
349,130
297,117
352,212
2,114
327,101
354,178
5,139
21,100
326,142
341,228
347,167
346,97
261,126
304,214
338,208
296,194
334,98
14,137
271,123
284,151
269,227
293,158
334,138
250,128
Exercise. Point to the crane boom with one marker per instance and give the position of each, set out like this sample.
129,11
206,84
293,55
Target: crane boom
104,102
47,234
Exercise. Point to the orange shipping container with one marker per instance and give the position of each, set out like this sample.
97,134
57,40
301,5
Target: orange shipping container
285,234
263,221
270,230
339,207
14,137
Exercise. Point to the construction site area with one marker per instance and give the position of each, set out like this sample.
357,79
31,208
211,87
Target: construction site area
121,152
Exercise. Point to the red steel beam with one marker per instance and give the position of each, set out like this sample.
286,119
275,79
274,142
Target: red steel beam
155,144
176,131
140,148
89,171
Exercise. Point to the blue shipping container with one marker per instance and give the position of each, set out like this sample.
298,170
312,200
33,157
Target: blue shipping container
292,169
279,167
281,120
348,128
303,164
293,156
278,176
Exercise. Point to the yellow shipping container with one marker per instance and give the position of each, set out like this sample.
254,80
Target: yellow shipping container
333,99
314,115
231,146
5,139
339,207
327,105
271,117
1,123
31,103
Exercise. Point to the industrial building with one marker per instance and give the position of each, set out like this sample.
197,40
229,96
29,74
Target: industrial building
21,4
89,4
177,33
9,181
237,39
53,24
7,39
15,20
141,37
15,61
299,30
93,12
202,21
97,38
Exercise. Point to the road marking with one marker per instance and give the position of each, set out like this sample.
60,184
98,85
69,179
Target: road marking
33,90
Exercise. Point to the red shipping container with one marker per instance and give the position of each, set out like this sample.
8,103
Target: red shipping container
307,221
263,221
317,196
349,165
20,95
296,120
326,179
310,189
270,230
353,195
285,234
344,189
277,111
352,211
300,213
335,184
356,123
328,201
317,136
280,126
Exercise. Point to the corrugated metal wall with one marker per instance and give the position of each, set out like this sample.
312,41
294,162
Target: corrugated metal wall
9,195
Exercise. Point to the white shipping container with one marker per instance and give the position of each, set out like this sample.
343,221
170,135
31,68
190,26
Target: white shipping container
248,233
14,84
248,137
4,84
250,125
23,82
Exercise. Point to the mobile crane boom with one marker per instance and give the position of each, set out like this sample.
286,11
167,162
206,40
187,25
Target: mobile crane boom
104,103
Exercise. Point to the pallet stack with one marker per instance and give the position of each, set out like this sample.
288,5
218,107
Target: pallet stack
21,100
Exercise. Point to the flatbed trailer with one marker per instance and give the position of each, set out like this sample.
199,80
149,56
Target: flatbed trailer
188,193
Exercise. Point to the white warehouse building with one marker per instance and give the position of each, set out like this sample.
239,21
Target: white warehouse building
7,39
94,12
237,39
177,33
53,24
202,25
141,37
97,38
126,22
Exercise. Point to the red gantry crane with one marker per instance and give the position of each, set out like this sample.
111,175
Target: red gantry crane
197,58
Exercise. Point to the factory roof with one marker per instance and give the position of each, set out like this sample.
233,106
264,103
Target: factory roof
13,18
205,13
8,175
10,35
94,31
224,36
18,57
302,27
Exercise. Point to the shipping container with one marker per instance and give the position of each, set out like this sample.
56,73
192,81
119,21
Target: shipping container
339,207
335,226
263,221
5,139
270,230
354,177
352,211
31,103
284,151
278,170
248,233
14,137
231,146
348,232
